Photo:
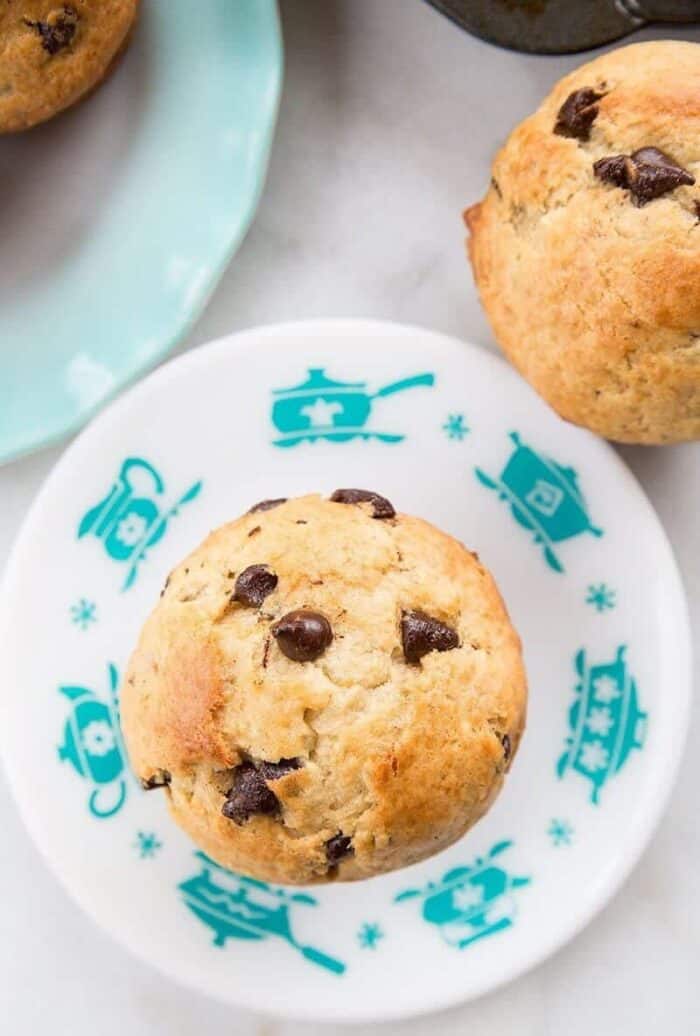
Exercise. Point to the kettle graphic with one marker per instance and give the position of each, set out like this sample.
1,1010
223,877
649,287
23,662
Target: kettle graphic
337,411
131,518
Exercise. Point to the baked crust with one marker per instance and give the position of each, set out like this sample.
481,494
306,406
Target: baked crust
401,758
52,54
596,299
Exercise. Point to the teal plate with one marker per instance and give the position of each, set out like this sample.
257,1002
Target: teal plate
120,216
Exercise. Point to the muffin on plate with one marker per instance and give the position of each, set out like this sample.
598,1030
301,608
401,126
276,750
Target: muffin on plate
586,248
51,54
326,689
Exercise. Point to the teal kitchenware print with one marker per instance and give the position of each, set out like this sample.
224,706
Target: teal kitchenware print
605,720
337,411
132,516
235,907
470,903
543,496
92,745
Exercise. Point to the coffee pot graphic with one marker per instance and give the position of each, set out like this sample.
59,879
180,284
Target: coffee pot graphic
92,745
131,518
321,408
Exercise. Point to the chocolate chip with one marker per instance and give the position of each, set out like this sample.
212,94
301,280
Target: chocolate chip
166,584
618,170
253,585
647,173
381,507
273,771
303,635
338,847
420,634
267,505
250,794
159,779
507,747
57,33
577,114
696,209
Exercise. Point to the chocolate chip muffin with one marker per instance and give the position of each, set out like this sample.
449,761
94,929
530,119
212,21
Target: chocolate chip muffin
52,54
586,248
326,689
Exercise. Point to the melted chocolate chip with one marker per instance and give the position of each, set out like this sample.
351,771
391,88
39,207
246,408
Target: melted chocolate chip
303,635
273,771
338,847
57,33
381,507
159,779
420,634
250,794
267,505
577,114
507,747
647,173
253,585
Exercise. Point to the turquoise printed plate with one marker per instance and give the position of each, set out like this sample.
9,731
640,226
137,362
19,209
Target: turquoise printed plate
120,216
447,431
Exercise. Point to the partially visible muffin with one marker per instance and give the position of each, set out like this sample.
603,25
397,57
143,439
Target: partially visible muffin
326,689
51,54
586,248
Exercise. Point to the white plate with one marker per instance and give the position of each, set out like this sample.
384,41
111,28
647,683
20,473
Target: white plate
590,582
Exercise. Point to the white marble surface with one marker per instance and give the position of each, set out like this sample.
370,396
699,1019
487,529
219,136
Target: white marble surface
388,120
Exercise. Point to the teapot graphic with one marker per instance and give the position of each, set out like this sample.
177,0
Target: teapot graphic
605,720
336,411
470,903
237,907
131,518
543,496
92,745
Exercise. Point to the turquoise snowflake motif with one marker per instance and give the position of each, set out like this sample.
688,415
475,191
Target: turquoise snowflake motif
455,427
83,614
147,844
601,597
560,832
369,935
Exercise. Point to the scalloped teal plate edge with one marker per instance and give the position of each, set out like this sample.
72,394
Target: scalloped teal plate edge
28,419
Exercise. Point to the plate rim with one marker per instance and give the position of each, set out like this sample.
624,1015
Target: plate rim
666,770
52,432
